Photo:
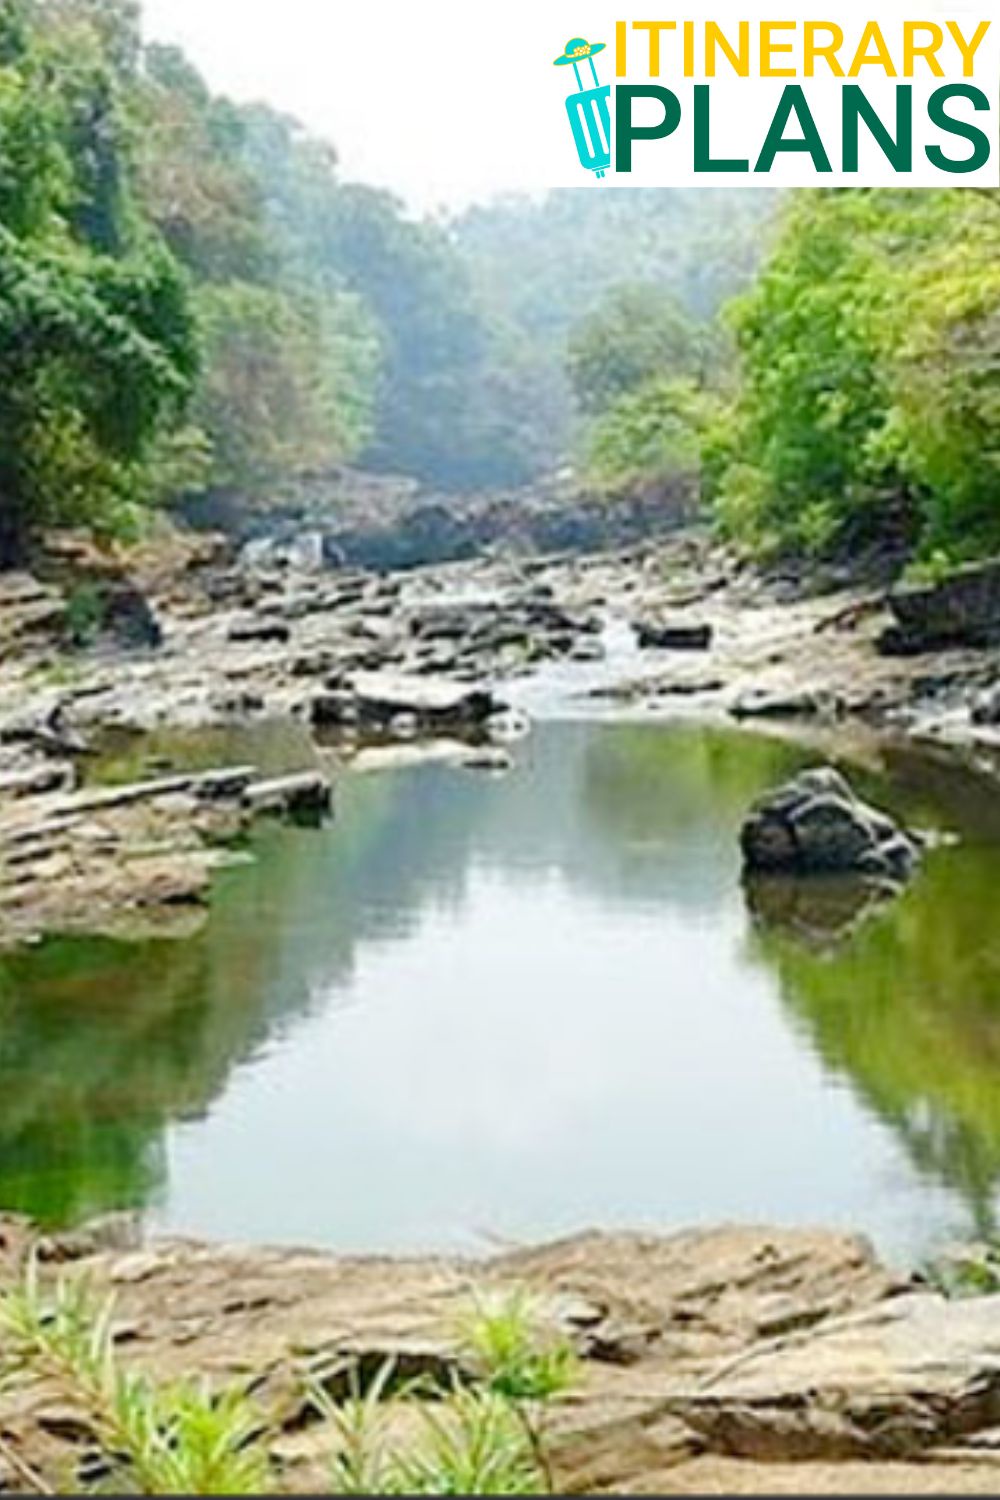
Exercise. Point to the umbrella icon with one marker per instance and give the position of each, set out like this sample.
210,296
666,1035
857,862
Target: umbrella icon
588,109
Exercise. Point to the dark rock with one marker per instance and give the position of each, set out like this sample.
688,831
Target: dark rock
129,618
961,610
305,794
797,705
259,629
986,709
376,700
673,635
816,824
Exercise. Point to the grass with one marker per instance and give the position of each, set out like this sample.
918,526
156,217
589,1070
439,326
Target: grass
480,1436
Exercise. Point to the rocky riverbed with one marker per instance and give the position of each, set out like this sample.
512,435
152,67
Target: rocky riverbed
749,1360
187,639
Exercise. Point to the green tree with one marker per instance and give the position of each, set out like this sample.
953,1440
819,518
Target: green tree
97,352
635,335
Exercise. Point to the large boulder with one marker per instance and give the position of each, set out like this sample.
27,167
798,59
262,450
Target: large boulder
960,610
815,824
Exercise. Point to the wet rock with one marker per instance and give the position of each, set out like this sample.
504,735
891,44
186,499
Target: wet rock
673,635
307,794
804,704
375,700
815,824
962,609
986,707
491,758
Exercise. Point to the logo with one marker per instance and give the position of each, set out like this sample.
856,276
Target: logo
588,109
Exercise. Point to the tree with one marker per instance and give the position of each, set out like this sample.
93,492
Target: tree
96,341
869,405
635,335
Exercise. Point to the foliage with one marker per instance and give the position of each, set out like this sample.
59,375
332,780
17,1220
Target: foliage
972,1271
655,432
480,1439
159,1441
279,393
97,347
870,403
636,335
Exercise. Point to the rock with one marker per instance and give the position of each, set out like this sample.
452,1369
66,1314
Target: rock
128,616
375,700
815,824
986,708
30,612
673,635
306,794
912,1373
34,781
652,1317
961,610
491,758
759,704
259,629
46,728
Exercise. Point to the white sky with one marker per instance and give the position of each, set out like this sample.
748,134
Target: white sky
399,88
448,101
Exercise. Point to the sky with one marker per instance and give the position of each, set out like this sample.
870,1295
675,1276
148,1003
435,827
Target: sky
428,100
448,102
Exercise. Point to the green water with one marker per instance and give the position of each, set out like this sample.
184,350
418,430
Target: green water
479,1007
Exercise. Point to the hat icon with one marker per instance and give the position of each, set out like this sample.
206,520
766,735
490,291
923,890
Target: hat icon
578,48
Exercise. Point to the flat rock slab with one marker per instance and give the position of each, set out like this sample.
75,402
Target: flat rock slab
650,1316
915,1372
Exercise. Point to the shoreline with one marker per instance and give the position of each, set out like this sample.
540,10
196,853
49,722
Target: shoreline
747,1357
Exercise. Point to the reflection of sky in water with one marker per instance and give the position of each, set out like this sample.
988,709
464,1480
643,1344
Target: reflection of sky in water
521,1006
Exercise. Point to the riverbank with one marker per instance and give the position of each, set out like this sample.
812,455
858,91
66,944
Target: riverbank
346,660
742,1360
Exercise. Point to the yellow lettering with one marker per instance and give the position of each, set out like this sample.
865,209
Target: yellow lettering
812,49
872,36
714,38
654,28
968,49
768,47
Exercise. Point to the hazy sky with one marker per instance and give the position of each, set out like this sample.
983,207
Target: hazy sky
447,101
418,98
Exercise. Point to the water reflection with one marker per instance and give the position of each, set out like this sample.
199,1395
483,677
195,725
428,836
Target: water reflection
524,1004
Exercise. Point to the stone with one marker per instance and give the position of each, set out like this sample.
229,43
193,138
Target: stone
304,794
259,629
673,635
986,707
651,1316
815,824
758,704
376,700
913,1373
962,609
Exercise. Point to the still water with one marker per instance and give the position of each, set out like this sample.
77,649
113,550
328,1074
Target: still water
480,1008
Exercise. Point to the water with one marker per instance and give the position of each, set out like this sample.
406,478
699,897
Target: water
482,1008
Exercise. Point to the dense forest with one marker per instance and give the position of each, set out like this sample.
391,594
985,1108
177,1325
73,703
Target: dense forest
193,301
